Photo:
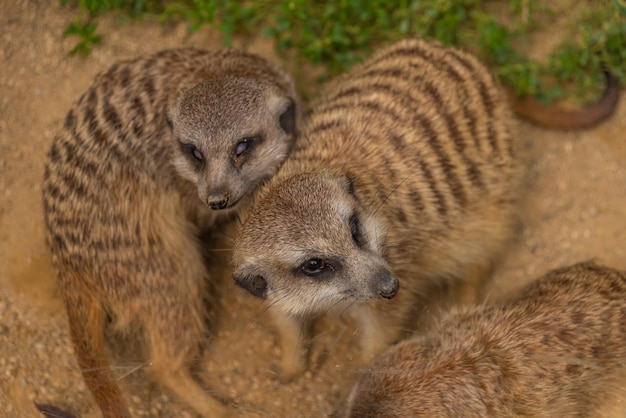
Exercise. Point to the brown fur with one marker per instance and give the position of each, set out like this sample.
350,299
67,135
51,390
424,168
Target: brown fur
552,116
405,170
557,351
147,151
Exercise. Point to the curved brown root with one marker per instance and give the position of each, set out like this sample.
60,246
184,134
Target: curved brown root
555,117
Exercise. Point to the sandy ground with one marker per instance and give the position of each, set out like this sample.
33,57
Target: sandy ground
574,209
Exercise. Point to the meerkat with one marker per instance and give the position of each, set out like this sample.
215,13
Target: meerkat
402,185
559,350
158,149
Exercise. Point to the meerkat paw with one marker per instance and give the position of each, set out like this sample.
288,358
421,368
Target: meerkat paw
376,334
292,338
369,353
289,369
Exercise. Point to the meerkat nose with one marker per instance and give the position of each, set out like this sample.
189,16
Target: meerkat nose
389,287
218,202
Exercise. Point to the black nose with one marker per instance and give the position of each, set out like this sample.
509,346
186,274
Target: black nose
389,286
218,200
218,204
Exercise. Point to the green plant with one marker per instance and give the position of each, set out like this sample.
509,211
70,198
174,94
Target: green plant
595,42
336,34
86,32
230,17
84,28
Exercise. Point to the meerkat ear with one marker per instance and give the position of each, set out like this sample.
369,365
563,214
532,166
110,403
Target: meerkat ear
288,118
285,109
251,281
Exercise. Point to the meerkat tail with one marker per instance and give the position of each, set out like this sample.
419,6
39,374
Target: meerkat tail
554,117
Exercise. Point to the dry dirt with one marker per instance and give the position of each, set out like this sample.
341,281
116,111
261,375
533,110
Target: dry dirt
574,209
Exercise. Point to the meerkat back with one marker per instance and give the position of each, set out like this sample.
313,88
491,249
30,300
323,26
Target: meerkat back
402,188
157,149
557,351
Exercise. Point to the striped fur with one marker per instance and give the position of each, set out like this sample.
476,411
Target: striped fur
124,198
558,350
412,149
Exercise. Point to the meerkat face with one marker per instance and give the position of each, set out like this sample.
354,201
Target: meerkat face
308,245
230,134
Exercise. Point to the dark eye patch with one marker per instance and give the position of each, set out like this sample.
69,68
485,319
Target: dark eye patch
316,267
355,230
193,153
245,145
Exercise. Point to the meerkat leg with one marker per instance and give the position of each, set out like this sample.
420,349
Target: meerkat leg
292,335
469,290
174,321
177,377
86,321
174,344
377,332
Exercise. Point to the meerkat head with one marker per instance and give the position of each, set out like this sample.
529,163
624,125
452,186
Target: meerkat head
401,383
308,245
231,133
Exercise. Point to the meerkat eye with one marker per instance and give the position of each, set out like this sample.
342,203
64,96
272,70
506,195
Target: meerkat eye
355,229
245,144
315,266
197,154
193,152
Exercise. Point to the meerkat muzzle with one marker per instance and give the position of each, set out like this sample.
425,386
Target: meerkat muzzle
219,202
389,287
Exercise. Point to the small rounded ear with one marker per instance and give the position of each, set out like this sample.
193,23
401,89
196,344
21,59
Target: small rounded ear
288,118
285,110
253,283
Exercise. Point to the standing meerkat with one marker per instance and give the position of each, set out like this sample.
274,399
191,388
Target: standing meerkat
156,150
403,181
557,351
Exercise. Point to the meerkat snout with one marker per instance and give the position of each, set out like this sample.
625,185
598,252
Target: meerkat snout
218,201
389,286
